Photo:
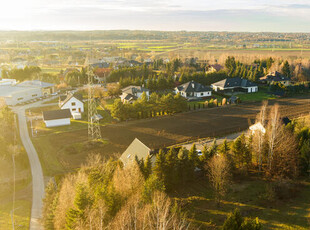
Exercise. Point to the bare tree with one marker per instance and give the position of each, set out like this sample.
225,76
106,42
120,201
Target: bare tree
258,136
219,174
274,132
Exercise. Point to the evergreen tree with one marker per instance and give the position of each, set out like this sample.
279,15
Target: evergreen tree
286,71
224,148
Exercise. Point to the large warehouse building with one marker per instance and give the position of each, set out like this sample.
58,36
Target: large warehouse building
25,91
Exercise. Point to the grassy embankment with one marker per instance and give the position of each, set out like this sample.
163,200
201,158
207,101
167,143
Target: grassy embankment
23,191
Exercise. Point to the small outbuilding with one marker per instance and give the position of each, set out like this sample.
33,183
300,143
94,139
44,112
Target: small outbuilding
136,149
55,118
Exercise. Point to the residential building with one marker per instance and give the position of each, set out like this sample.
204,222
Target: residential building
73,102
55,118
275,77
214,68
235,84
136,149
193,89
132,93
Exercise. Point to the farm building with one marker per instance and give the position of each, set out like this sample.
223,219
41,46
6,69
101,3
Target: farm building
275,77
55,118
136,148
235,84
132,93
74,102
192,89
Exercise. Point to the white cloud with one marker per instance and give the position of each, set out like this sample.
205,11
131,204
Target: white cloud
245,15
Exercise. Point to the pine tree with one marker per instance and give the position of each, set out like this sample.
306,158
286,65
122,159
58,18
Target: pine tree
286,69
224,148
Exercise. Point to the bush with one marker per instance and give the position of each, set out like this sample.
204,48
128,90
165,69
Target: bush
235,221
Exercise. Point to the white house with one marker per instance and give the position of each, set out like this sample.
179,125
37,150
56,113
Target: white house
193,89
55,118
73,102
257,127
131,93
234,84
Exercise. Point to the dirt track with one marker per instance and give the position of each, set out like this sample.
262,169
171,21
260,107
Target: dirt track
169,130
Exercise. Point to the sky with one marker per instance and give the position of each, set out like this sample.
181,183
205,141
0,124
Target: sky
167,15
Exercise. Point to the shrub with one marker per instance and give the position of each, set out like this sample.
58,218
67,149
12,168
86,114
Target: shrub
235,221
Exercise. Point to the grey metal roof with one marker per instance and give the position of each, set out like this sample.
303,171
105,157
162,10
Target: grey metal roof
36,83
193,86
56,114
232,82
132,89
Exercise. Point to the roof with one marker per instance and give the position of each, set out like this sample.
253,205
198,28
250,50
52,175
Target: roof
136,148
9,90
132,89
56,114
217,67
128,97
193,86
76,95
274,76
36,83
234,82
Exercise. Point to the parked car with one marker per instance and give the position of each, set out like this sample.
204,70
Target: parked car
199,153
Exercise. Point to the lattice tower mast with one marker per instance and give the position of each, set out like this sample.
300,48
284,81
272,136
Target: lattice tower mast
93,118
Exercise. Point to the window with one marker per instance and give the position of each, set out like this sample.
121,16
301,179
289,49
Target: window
73,103
201,94
73,109
34,95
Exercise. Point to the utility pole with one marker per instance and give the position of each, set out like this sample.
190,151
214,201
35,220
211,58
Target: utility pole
14,172
93,118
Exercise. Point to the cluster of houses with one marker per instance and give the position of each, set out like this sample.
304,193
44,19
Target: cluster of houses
70,106
193,90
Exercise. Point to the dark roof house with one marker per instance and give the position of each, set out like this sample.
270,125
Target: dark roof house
56,114
275,77
235,83
193,86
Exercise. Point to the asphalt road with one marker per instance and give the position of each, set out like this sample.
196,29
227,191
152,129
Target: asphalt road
35,165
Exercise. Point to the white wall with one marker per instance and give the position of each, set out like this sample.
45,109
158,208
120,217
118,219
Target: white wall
203,94
23,96
57,122
252,89
78,107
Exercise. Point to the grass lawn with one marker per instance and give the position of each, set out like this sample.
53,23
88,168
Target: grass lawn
254,97
64,148
23,195
246,194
